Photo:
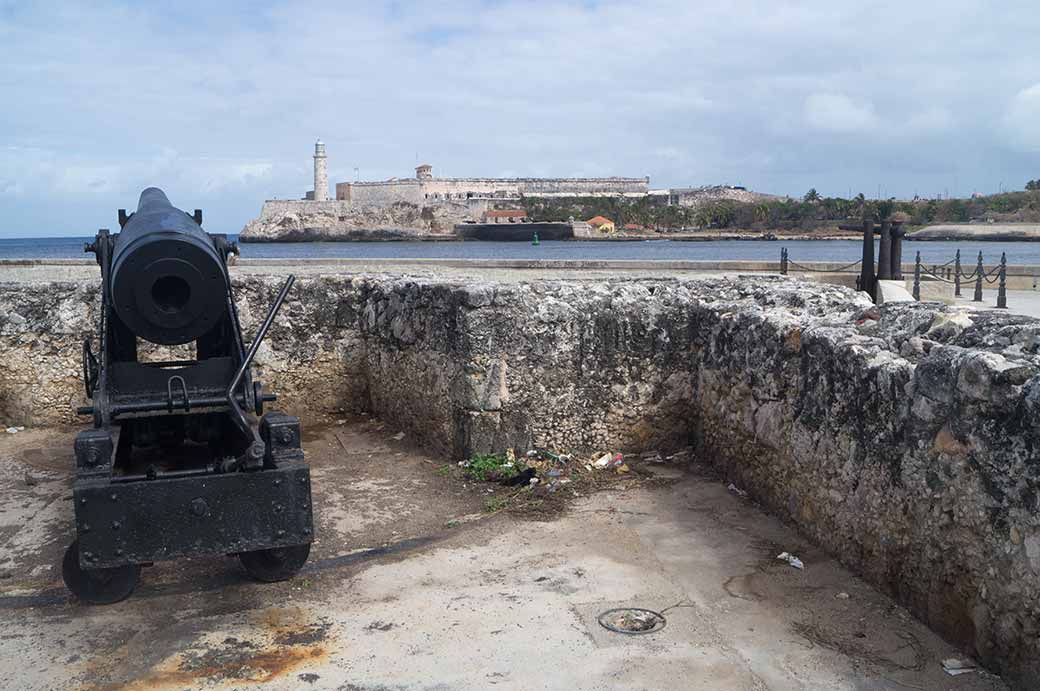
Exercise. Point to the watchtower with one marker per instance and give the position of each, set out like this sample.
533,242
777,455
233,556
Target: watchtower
321,175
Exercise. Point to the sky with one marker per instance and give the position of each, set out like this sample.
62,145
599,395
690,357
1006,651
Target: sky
220,103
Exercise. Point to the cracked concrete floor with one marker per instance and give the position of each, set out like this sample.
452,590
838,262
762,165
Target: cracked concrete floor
393,598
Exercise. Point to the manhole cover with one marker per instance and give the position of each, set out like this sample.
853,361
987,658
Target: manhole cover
632,620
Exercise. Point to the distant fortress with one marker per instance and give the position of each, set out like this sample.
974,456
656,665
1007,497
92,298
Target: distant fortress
424,187
425,204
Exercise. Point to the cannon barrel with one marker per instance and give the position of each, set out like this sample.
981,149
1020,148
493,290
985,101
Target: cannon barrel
169,283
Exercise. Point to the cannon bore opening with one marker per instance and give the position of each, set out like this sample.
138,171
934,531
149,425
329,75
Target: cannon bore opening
171,293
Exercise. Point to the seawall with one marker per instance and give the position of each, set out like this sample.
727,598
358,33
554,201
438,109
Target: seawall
903,439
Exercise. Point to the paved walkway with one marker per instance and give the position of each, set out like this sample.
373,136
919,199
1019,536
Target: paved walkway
1025,302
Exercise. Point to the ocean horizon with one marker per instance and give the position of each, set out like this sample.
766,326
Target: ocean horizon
647,250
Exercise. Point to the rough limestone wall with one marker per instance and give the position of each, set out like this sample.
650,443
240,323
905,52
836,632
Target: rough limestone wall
577,366
413,355
42,326
313,356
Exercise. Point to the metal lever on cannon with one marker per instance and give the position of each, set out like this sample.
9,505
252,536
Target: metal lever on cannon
254,456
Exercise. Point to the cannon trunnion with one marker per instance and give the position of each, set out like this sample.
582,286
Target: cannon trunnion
177,463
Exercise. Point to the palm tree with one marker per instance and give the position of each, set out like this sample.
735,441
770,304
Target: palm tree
812,196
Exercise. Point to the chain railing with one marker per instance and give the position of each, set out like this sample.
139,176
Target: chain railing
998,275
786,263
939,272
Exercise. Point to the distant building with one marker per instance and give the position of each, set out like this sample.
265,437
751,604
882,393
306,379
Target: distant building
602,224
469,198
424,187
633,226
505,216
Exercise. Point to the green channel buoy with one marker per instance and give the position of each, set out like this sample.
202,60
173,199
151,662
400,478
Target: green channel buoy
534,240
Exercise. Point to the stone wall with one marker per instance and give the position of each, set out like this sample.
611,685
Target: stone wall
418,190
386,192
905,439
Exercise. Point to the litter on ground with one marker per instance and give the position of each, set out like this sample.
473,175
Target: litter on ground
791,559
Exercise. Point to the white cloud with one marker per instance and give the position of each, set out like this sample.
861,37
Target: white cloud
1022,120
838,113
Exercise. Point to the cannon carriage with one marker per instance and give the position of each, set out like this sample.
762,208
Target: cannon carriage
181,460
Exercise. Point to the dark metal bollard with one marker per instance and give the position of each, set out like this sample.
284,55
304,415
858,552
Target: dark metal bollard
897,250
884,271
978,280
1002,286
783,261
868,281
917,277
957,275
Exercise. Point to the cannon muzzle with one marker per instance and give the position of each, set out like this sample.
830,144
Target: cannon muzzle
169,283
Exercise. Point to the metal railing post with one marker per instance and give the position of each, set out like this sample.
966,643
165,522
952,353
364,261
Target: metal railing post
978,280
1002,286
917,277
957,275
783,261
884,270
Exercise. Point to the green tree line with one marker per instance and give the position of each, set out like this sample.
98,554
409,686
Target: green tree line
811,212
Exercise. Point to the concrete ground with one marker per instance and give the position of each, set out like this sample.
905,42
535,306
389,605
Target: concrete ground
1025,302
413,585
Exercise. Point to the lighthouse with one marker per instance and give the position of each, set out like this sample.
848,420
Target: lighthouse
321,174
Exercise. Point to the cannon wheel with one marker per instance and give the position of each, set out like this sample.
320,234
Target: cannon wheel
275,564
98,586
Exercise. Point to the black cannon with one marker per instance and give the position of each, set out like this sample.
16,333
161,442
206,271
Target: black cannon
177,463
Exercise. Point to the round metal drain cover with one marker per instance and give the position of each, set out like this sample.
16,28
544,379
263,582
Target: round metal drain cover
632,620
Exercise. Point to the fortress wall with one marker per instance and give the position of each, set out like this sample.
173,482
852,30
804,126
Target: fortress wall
580,185
382,192
533,186
476,186
903,439
422,191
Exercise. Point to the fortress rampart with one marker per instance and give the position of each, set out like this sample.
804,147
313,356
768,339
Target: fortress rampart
904,439
419,190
